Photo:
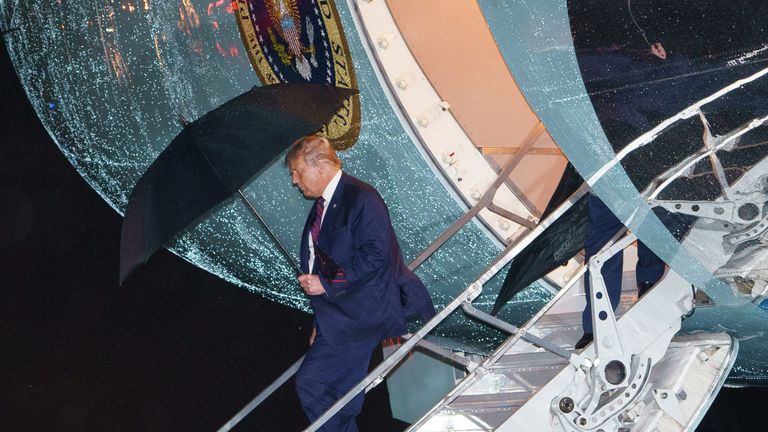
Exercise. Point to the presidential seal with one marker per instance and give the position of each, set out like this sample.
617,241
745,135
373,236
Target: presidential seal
302,40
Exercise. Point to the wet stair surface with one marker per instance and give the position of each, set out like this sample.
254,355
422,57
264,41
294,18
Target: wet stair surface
519,375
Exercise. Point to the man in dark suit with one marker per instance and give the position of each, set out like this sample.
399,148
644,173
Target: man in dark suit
354,275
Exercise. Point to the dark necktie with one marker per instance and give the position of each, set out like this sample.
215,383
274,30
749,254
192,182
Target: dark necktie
318,220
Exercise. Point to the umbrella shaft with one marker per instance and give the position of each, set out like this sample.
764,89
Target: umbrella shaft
271,234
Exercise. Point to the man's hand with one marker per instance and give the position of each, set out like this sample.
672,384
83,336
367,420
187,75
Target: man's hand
311,284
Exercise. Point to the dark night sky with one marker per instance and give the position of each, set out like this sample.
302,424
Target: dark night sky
175,348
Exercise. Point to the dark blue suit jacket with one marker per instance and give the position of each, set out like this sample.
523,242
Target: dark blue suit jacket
368,289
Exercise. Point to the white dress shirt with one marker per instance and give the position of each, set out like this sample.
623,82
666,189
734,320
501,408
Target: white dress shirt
330,189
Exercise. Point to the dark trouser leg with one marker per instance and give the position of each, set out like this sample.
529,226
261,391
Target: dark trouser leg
649,268
325,376
603,225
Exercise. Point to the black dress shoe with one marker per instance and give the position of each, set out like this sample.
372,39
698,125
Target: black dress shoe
643,288
584,341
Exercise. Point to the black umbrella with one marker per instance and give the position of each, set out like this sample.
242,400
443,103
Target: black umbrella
214,156
554,247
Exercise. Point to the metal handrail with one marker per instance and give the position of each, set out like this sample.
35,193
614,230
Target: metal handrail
285,376
535,340
485,200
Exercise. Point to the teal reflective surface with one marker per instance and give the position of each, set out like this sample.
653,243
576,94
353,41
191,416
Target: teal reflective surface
109,83
632,85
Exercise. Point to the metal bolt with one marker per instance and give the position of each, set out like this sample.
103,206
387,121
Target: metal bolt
566,405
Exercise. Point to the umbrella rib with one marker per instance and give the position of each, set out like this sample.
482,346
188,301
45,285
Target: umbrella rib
252,208
208,161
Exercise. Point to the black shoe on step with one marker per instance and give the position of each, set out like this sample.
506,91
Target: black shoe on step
584,341
643,288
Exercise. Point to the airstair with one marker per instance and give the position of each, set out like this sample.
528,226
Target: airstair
639,374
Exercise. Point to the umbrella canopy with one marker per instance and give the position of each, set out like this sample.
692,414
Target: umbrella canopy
555,246
214,156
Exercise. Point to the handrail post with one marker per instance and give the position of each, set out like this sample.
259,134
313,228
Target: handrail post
489,319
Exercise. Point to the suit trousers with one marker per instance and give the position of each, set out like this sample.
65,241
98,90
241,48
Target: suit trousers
326,375
603,225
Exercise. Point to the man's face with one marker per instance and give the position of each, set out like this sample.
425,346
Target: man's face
308,178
